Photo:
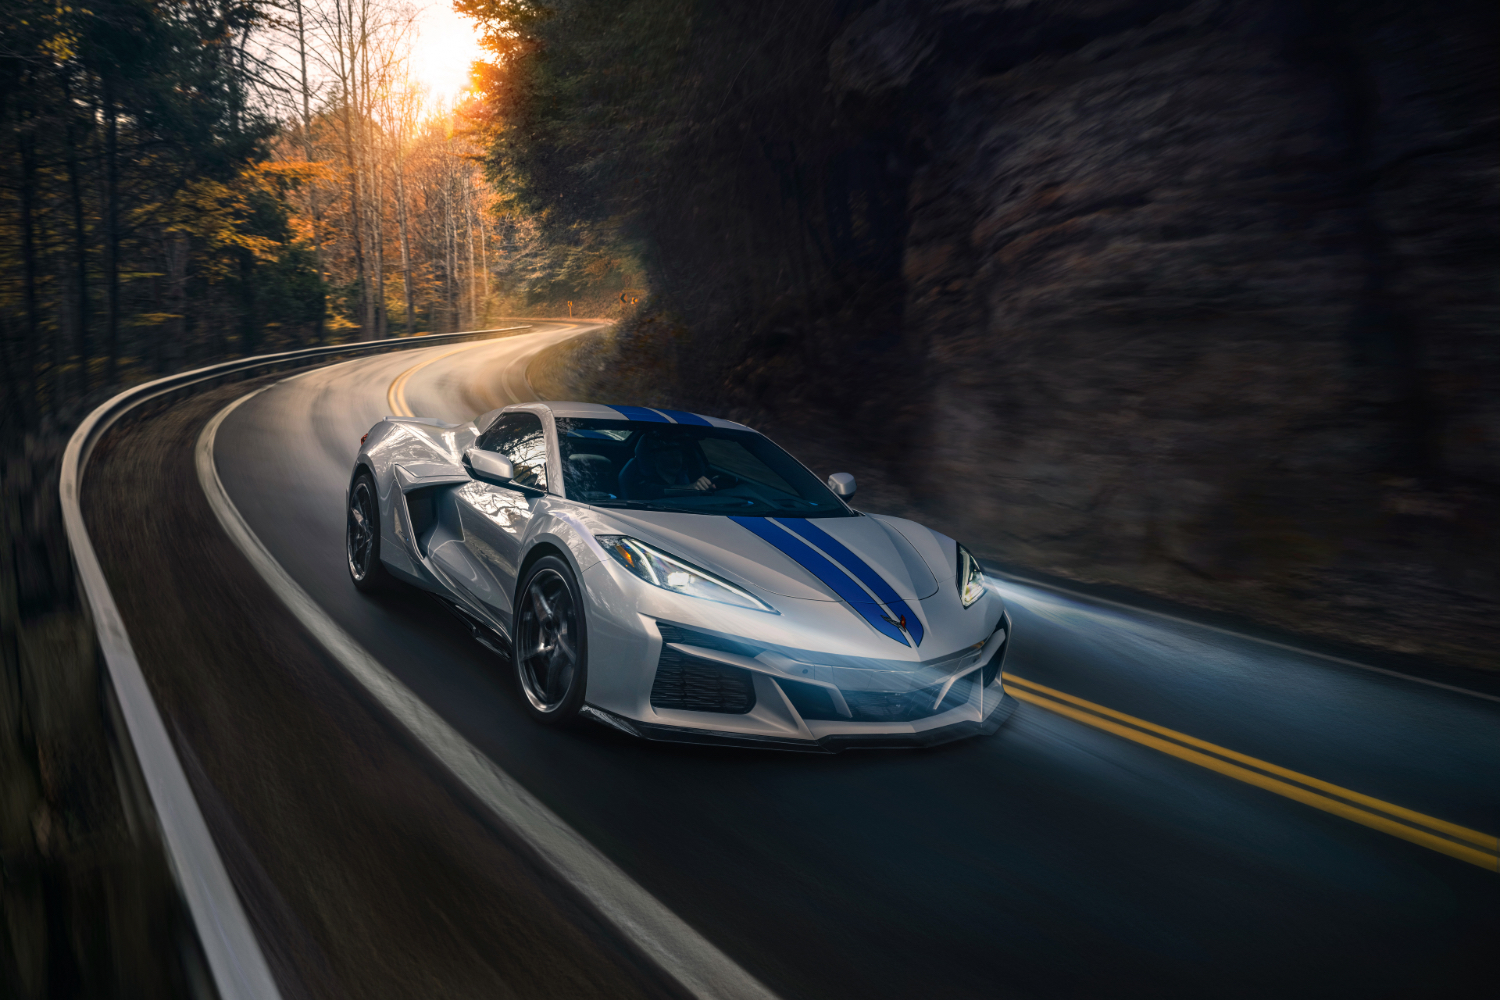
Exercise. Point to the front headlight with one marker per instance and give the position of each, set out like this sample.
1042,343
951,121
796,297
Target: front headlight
970,577
670,573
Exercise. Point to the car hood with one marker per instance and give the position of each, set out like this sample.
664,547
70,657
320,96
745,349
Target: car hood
735,548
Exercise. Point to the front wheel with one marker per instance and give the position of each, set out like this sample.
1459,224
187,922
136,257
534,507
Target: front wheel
551,647
362,536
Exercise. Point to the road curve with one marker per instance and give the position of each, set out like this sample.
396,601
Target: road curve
1068,855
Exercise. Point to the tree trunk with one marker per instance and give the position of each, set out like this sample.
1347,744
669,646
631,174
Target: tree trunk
411,312
313,210
111,235
177,250
355,212
378,221
474,321
12,396
484,264
348,69
249,320
369,322
83,339
450,252
28,353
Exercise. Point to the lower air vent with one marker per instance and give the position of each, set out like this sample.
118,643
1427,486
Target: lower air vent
688,683
991,670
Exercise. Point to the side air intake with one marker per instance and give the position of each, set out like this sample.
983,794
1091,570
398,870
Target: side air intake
687,683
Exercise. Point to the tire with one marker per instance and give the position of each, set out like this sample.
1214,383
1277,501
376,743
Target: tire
551,643
362,536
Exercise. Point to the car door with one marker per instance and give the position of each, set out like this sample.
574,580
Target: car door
495,518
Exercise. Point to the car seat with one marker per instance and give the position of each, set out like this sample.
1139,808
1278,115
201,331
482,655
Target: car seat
592,477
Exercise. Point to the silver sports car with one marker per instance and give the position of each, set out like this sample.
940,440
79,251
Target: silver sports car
680,577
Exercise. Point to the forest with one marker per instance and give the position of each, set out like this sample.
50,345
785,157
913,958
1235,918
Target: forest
191,181
184,182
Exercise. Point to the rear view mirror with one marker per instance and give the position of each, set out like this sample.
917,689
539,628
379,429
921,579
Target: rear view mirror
490,465
842,484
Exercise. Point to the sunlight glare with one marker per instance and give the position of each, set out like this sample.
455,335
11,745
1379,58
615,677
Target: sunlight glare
446,44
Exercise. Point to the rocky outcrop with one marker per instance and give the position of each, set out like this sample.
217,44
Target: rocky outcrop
1207,296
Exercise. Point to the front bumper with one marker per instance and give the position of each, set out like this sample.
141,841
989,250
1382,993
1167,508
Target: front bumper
668,667
716,696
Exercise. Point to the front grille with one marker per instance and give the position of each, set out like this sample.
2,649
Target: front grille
814,702
697,685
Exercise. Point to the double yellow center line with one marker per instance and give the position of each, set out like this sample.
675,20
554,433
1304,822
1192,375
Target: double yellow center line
395,396
1460,842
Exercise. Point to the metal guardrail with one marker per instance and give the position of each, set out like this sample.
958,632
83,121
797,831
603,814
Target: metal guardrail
234,956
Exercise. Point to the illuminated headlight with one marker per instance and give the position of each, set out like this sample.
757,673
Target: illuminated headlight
670,573
970,577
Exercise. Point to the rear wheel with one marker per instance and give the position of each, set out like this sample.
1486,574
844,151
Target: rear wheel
362,536
551,647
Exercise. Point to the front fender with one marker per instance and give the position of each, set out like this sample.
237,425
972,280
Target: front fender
566,531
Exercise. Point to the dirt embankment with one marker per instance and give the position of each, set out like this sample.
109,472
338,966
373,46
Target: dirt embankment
87,904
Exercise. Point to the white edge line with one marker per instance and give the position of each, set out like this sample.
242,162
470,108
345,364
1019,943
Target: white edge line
239,968
700,967
1081,595
235,960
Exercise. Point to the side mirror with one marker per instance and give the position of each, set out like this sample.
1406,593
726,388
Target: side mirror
842,485
489,465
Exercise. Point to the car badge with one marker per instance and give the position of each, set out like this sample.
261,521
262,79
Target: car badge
898,622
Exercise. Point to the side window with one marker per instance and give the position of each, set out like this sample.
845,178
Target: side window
519,437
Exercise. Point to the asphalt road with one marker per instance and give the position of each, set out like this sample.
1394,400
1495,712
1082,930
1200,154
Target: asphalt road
1055,858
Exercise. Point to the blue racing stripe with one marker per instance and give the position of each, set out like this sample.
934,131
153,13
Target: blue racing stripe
861,570
639,413
684,417
834,578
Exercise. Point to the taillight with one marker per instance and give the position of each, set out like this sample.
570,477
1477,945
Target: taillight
363,438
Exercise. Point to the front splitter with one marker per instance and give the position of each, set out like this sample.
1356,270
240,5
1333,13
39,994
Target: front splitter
828,744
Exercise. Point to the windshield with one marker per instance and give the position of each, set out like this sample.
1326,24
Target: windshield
687,468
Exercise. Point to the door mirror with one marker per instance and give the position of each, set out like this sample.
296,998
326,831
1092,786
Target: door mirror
842,485
489,465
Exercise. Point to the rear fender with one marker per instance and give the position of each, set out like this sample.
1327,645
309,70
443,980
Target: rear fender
401,452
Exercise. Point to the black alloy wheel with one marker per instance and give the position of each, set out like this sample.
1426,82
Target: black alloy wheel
362,535
551,648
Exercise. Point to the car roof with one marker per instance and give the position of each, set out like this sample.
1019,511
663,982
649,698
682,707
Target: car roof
601,411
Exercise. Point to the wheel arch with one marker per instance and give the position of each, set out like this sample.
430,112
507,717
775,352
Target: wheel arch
393,535
543,548
362,464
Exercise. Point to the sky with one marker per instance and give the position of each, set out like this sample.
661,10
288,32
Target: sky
447,42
